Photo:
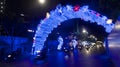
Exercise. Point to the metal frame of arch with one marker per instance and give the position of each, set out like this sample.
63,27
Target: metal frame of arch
61,14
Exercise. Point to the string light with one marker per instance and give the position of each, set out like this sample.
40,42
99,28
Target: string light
109,21
1,3
63,13
47,15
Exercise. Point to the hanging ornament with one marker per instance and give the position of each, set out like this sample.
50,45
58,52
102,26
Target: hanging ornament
76,8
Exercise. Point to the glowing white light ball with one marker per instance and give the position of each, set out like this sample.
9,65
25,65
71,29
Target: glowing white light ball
47,15
1,3
1,11
84,31
29,30
9,55
41,1
109,21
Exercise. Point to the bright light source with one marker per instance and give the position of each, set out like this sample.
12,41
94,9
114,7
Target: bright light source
34,38
1,11
98,46
1,7
9,55
47,15
22,15
109,21
41,1
30,30
62,17
84,31
1,3
38,51
117,26
92,44
87,51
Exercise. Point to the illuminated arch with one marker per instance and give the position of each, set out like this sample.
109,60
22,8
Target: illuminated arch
61,14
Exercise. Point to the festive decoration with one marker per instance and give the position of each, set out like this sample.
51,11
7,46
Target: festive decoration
47,15
76,8
109,21
98,14
61,14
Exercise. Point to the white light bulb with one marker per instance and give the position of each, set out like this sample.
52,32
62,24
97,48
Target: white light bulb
47,15
9,55
42,1
1,7
1,3
84,31
109,21
1,11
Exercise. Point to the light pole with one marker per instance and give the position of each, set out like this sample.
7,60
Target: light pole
84,34
84,31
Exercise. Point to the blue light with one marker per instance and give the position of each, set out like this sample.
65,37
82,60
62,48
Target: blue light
61,14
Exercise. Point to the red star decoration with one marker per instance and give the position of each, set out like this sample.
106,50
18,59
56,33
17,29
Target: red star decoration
76,8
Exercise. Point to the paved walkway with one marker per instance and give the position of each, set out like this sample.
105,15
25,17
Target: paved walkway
115,55
94,58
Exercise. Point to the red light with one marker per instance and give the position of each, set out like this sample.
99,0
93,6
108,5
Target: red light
97,14
76,8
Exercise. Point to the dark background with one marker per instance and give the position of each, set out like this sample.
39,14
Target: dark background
13,24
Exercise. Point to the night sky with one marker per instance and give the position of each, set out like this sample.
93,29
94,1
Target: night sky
16,25
33,8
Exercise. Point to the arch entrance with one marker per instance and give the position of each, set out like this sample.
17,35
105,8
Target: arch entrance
61,14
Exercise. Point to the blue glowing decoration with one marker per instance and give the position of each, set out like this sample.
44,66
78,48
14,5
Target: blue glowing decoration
61,14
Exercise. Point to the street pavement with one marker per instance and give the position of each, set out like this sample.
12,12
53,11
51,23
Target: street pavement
94,57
